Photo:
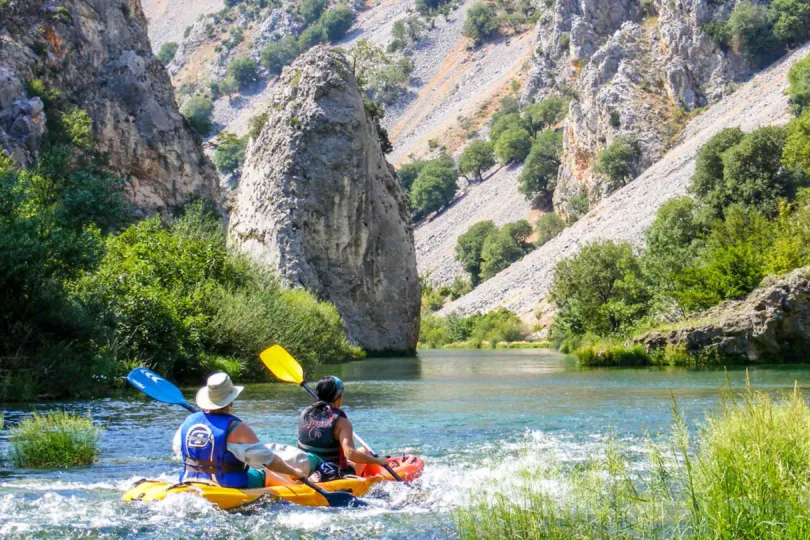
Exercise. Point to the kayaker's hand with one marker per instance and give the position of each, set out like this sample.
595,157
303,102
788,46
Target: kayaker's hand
299,474
382,461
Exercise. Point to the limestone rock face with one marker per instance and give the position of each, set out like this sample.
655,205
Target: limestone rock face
97,55
318,201
771,324
631,69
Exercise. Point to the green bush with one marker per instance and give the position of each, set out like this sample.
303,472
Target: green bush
799,85
543,115
577,206
513,145
244,70
311,10
197,111
433,189
425,7
671,241
167,52
791,20
504,121
228,86
407,173
54,440
548,226
601,289
469,246
481,22
256,125
500,249
279,53
78,126
619,160
382,77
539,174
708,183
796,154
477,157
751,29
605,354
310,37
230,153
493,327
336,22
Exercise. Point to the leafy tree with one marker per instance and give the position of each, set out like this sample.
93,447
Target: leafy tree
78,127
498,252
791,20
244,70
539,174
520,231
377,112
708,183
476,158
197,110
433,189
513,145
601,289
256,125
228,86
796,154
481,22
407,173
310,37
619,160
543,115
230,153
426,6
469,246
167,52
548,226
379,75
751,30
503,122
799,85
336,22
279,53
311,10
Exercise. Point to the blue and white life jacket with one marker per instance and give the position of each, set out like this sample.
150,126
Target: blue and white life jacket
204,443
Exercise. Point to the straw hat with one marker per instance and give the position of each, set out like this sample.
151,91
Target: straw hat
218,393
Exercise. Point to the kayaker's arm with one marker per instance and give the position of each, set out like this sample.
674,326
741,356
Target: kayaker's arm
245,445
343,432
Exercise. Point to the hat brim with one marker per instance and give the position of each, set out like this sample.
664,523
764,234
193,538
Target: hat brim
204,401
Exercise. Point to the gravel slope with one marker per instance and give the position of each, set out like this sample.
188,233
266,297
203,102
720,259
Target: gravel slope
168,19
627,213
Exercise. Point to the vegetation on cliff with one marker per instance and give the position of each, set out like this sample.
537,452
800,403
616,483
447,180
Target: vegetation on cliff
747,218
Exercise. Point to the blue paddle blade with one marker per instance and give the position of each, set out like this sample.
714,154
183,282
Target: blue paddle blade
156,387
338,499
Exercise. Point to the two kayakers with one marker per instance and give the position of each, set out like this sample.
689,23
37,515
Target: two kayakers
219,448
325,432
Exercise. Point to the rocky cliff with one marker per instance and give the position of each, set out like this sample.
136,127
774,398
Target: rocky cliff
96,54
318,201
625,215
631,69
771,324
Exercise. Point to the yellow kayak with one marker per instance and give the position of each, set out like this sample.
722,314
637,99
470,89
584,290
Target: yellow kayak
229,498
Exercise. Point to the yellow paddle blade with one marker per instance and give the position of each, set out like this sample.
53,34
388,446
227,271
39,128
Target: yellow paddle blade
282,364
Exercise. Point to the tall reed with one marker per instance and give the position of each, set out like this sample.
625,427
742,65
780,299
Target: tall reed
54,440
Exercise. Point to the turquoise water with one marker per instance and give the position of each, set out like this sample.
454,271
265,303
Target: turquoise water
477,418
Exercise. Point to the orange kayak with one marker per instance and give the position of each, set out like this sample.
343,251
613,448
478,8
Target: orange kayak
407,467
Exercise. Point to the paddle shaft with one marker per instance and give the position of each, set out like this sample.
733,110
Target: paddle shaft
388,468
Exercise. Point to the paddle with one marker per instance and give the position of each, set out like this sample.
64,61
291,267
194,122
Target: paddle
287,369
159,389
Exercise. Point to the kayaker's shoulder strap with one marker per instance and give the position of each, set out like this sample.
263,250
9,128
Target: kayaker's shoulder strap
232,427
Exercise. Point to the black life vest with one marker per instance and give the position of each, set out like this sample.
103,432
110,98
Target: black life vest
316,432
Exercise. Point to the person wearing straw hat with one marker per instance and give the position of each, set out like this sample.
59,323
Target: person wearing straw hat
218,448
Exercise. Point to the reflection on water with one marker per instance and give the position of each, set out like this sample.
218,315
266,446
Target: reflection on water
476,417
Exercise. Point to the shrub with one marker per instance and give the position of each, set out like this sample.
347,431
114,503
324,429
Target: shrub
408,173
310,37
383,78
501,325
543,115
167,52
577,206
256,125
54,440
279,53
500,249
311,10
799,85
751,31
230,153
481,22
601,289
791,20
548,226
707,181
504,121
78,126
797,144
513,145
539,174
336,22
433,189
670,240
606,354
619,160
198,110
469,246
425,7
719,32
476,158
244,70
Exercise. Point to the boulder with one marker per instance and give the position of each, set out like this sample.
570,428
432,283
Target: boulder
318,201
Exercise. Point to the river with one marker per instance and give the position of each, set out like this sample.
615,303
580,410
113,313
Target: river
476,417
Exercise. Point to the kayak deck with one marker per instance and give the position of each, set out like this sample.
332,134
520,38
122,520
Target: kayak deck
408,468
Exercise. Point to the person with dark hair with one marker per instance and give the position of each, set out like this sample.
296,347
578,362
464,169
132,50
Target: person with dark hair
325,432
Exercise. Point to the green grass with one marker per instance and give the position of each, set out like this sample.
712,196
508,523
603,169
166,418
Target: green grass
484,344
54,440
744,475
608,354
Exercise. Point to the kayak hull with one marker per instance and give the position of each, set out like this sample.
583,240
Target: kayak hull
229,498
